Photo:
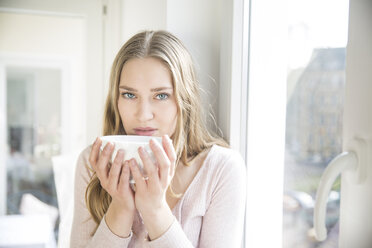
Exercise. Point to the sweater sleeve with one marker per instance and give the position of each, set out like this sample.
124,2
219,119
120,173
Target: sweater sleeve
223,222
83,226
173,237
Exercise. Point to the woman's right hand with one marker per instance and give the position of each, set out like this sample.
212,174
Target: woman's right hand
115,180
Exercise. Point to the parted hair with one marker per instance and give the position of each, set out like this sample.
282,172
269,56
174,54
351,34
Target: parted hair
191,136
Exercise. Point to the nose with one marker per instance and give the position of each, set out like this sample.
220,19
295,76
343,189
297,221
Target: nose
144,111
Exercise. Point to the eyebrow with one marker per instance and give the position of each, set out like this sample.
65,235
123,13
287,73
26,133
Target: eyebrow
152,90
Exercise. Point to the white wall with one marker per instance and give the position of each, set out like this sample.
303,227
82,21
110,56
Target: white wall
33,39
197,24
140,15
91,11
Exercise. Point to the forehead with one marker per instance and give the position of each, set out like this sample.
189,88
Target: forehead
142,72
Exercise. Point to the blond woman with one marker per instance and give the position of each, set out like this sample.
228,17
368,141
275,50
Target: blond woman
194,195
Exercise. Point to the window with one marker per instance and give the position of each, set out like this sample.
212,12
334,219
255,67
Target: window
315,82
42,100
34,137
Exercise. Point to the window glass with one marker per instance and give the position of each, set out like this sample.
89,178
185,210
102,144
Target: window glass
315,82
33,138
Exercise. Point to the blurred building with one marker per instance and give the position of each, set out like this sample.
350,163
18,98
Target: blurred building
315,107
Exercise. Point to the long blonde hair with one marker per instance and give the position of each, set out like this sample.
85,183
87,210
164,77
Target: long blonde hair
191,135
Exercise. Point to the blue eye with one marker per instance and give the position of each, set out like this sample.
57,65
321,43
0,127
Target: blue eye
162,96
128,95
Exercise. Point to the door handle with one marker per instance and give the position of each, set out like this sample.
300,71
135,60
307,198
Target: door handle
353,163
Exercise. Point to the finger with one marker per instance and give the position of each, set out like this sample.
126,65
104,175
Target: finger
171,153
163,160
137,176
149,167
103,160
93,156
124,178
114,174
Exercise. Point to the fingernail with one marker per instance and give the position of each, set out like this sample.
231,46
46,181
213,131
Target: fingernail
108,146
153,141
120,152
143,151
132,163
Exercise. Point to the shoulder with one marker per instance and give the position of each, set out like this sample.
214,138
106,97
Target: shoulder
225,162
83,167
225,173
226,157
84,154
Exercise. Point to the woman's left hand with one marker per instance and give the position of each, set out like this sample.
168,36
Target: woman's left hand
150,195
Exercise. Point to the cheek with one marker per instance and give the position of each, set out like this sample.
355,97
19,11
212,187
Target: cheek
169,111
171,116
175,112
124,112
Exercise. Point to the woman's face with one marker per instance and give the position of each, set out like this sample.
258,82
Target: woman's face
147,104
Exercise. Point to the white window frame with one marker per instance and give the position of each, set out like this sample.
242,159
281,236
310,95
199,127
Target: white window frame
266,122
256,103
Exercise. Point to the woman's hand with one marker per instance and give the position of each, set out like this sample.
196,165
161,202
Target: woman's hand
150,196
115,180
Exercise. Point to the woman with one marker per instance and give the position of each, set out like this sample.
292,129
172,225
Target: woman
194,195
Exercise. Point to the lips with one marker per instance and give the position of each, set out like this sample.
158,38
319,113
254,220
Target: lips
145,131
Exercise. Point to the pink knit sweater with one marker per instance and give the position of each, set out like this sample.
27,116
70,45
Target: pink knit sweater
209,214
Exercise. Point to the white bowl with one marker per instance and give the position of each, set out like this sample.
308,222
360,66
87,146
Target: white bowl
130,145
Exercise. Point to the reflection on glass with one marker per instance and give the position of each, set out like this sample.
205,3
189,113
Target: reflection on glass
315,82
33,137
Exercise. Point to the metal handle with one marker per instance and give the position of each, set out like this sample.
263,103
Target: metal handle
344,161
